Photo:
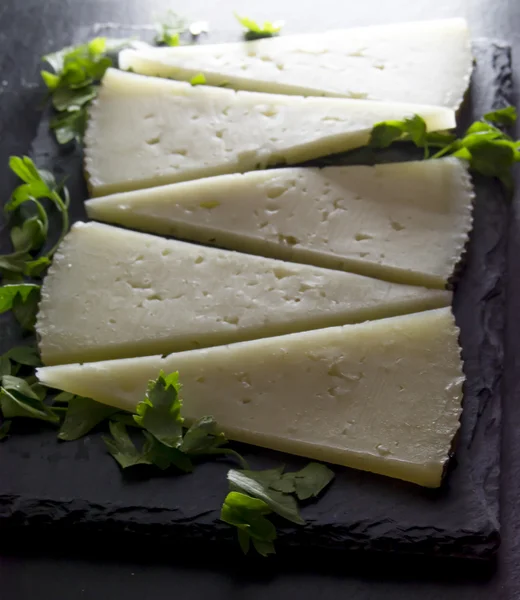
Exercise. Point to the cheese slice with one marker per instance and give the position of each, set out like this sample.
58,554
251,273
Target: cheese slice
383,396
112,293
405,222
425,62
146,131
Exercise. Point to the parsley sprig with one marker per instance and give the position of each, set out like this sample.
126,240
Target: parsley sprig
73,83
255,494
166,442
29,222
254,30
488,150
169,29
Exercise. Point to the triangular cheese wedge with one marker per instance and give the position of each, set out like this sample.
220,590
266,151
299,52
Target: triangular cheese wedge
383,396
423,62
113,293
146,131
405,222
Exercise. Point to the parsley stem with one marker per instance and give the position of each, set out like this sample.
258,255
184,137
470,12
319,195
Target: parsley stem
62,207
444,151
42,214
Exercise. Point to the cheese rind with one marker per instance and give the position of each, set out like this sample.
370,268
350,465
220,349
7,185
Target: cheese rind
147,131
405,222
383,396
426,62
113,293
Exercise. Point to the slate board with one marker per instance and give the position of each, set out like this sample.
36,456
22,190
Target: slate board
54,493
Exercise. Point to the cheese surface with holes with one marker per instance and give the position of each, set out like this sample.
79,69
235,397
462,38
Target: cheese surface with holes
383,396
405,222
112,293
423,62
146,131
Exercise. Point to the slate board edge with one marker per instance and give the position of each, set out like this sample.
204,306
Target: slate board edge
61,514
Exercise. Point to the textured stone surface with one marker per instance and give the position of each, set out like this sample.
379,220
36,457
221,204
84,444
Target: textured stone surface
51,486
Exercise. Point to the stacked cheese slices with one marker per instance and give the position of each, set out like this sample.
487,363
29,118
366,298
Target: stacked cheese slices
320,324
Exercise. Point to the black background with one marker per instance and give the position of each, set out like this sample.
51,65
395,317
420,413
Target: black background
28,29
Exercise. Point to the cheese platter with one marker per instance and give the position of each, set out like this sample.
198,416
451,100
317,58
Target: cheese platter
73,488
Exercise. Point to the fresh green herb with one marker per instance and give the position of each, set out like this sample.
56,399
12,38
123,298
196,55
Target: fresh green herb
260,484
170,29
164,457
29,229
83,414
276,490
167,443
504,116
203,438
27,355
247,514
9,294
4,429
198,79
488,150
123,449
255,31
73,83
22,299
307,483
20,399
25,312
160,411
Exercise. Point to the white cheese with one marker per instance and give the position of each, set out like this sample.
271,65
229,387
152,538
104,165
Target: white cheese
146,131
405,222
383,396
112,293
423,62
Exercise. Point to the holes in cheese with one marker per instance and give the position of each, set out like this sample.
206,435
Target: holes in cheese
114,293
200,131
383,396
405,222
423,62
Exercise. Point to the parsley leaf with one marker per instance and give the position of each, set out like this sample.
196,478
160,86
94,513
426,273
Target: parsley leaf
4,429
19,399
5,366
169,29
198,79
488,150
307,483
160,411
256,31
29,231
248,516
202,437
122,448
153,452
73,84
504,116
25,311
256,484
24,355
166,443
276,490
83,414
163,456
9,293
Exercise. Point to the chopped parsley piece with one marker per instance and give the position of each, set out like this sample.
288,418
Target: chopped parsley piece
256,31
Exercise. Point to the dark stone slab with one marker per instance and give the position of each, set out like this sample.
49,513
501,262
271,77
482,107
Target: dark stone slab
53,493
